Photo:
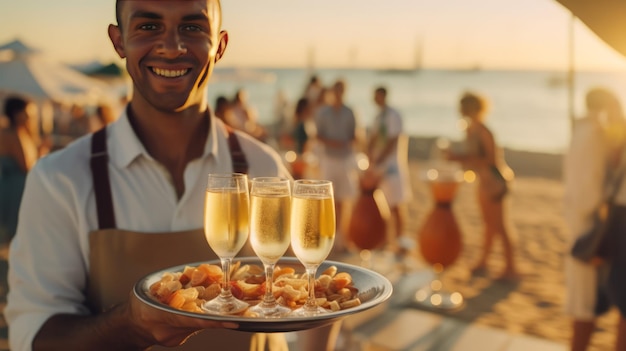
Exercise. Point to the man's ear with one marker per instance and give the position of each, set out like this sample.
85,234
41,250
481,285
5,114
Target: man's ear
221,49
115,34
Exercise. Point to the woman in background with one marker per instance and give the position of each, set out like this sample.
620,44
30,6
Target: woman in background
245,116
483,156
18,153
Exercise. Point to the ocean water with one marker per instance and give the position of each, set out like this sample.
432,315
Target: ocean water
530,110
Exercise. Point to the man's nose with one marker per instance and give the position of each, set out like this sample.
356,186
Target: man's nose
171,45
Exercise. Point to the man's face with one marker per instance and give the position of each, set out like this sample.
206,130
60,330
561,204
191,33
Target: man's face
338,90
379,98
170,48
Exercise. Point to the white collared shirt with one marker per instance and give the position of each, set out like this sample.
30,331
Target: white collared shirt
387,125
49,255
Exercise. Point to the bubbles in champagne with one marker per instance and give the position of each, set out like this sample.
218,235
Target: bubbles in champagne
269,226
312,228
226,221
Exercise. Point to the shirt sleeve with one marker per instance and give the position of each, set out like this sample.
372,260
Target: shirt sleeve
394,124
46,267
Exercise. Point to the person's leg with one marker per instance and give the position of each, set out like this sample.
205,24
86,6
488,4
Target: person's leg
581,334
500,229
620,343
489,231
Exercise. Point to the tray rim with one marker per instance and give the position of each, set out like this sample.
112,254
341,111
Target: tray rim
282,324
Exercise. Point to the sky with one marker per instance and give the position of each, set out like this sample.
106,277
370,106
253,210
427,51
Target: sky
488,34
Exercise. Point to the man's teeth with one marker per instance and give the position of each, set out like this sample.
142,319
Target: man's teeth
169,73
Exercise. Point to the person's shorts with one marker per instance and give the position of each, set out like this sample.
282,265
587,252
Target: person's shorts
396,186
343,172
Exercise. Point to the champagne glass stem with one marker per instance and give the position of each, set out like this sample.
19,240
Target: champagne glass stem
311,303
269,299
226,277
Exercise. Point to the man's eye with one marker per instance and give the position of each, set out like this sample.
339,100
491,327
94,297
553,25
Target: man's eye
148,26
192,28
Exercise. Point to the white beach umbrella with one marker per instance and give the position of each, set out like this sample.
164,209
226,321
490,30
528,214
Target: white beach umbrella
45,80
25,71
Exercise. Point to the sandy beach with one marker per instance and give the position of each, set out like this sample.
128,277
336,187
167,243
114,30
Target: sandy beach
532,306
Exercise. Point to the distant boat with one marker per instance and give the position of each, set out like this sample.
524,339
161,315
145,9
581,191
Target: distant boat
417,65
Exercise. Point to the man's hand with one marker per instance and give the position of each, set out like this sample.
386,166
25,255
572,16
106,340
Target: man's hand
167,329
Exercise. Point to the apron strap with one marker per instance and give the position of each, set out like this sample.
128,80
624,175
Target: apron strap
102,186
240,163
100,173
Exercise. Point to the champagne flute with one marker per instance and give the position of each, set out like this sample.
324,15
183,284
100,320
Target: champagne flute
226,221
312,232
270,209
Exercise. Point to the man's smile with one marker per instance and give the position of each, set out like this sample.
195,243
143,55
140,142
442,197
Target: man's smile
169,73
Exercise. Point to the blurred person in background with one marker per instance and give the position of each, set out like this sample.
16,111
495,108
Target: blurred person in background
104,115
302,128
483,156
245,116
300,135
223,110
387,151
314,89
19,151
591,163
336,132
79,123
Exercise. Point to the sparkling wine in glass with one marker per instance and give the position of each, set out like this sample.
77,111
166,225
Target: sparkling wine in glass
270,210
312,232
226,226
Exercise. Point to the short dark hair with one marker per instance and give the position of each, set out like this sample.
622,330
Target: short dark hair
118,12
13,106
301,106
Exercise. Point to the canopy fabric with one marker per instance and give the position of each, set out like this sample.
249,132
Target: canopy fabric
34,76
606,18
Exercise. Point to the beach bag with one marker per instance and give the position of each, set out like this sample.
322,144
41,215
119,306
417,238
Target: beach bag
596,242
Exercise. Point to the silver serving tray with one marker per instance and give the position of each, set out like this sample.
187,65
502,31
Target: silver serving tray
373,287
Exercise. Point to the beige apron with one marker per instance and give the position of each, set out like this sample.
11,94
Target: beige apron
119,258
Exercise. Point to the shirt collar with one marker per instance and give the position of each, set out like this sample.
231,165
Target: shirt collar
124,146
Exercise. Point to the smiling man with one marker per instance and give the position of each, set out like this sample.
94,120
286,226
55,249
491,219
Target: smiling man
128,200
